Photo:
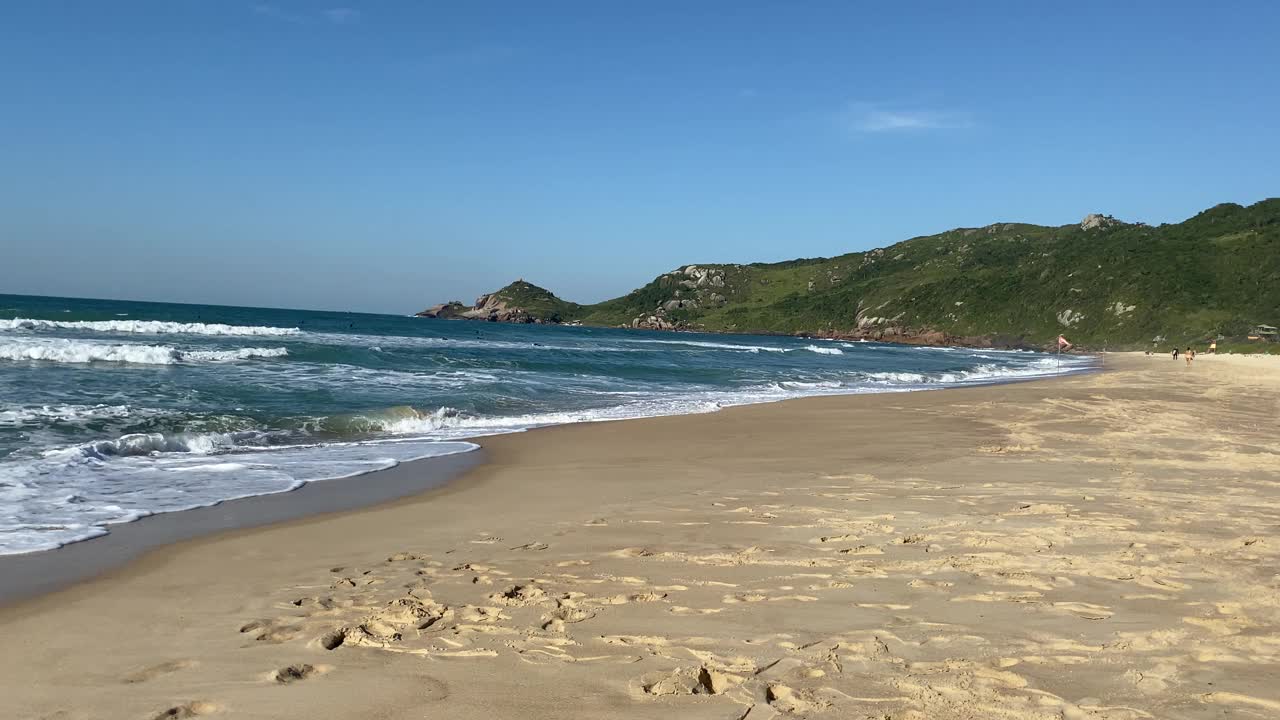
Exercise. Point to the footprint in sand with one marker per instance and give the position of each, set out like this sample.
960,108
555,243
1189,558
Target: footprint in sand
322,603
333,640
689,681
623,599
155,671
564,615
402,556
861,550
187,710
520,596
799,702
270,631
294,673
360,580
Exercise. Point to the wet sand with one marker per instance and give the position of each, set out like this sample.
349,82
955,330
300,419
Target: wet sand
33,574
1099,546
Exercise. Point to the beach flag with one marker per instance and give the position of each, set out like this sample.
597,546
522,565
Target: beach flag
1063,343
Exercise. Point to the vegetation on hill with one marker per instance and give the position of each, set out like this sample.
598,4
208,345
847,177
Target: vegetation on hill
1101,283
540,303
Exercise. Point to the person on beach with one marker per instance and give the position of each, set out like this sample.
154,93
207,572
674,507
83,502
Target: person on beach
1187,354
1175,354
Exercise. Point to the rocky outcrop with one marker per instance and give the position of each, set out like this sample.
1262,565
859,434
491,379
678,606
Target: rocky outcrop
503,306
925,336
452,309
1120,309
1069,317
493,308
1095,221
657,321
691,287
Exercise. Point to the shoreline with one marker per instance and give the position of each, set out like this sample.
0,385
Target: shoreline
45,571
911,338
1092,546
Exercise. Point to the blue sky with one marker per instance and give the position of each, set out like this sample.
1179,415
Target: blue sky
387,155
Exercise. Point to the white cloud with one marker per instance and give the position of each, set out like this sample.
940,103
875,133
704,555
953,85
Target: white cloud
873,118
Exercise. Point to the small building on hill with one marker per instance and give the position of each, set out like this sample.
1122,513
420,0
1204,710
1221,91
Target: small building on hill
1264,332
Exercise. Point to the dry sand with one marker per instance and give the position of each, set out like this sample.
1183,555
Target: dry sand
1092,547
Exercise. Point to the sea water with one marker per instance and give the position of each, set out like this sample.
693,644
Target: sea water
112,410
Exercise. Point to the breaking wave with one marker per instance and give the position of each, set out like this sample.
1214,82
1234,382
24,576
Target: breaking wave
58,350
145,327
978,374
714,345
824,350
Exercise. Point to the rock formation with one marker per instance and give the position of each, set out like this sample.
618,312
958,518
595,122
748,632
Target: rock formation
519,302
1095,221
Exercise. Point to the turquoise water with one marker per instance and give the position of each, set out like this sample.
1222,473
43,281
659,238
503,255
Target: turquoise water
113,410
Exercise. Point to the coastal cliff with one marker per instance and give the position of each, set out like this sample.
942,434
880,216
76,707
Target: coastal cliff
1101,281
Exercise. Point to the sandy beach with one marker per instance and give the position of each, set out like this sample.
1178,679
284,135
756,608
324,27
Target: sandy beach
1099,546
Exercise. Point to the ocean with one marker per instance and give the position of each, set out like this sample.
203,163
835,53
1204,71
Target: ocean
113,410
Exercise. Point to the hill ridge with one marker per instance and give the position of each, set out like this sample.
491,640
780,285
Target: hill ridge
1101,281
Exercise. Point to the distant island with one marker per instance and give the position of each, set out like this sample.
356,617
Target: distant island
1101,282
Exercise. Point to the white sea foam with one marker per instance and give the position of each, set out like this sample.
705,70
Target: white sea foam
383,343
60,350
449,423
15,416
142,444
896,377
824,350
228,355
146,327
62,497
713,345
807,386
985,373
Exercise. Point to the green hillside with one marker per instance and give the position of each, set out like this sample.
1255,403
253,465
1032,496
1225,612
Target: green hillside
539,303
1100,282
